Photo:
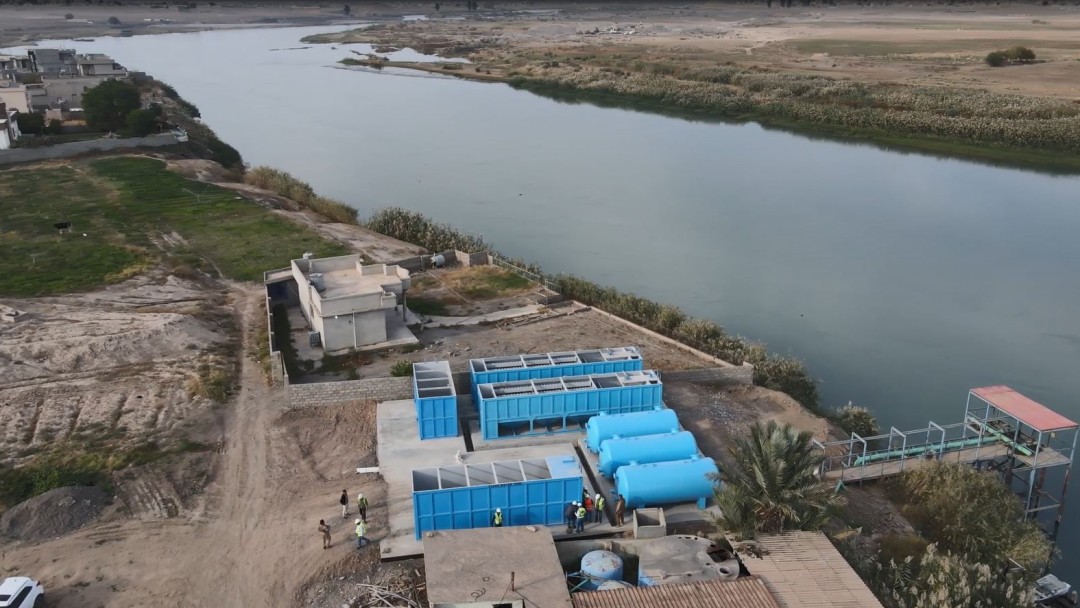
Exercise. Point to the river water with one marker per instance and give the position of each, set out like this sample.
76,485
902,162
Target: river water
902,280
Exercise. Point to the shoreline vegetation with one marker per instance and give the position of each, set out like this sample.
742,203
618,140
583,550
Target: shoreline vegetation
771,370
1012,130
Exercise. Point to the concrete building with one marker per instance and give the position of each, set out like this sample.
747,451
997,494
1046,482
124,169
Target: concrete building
346,302
97,64
52,62
15,96
515,567
10,65
9,127
62,91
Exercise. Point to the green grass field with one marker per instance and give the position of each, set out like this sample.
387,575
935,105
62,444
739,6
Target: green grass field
133,214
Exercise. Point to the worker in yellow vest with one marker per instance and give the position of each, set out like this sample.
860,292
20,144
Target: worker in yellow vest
362,505
581,512
497,519
599,508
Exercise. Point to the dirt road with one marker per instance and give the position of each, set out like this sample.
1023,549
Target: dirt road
250,540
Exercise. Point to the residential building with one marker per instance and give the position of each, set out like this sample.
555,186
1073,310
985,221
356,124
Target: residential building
15,96
9,127
97,64
347,303
62,91
13,64
52,62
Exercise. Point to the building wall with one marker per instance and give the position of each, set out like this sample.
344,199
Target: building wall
353,330
320,394
69,90
15,98
76,148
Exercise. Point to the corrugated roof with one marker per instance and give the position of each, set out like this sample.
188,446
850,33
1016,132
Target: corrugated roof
746,592
804,570
1028,411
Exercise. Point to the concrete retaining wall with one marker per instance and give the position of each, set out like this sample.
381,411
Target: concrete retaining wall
75,148
735,374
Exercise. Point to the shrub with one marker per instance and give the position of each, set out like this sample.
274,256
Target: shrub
69,16
141,123
939,578
53,127
985,526
401,369
996,59
32,122
288,186
223,154
108,105
855,419
1021,54
114,21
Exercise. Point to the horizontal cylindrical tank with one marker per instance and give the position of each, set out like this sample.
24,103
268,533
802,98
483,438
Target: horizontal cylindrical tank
659,483
606,426
599,566
610,585
620,451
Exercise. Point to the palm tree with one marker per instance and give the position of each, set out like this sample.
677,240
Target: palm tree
774,486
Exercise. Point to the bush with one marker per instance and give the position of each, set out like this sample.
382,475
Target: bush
32,123
401,369
288,186
53,127
855,419
940,578
1021,54
141,123
114,21
996,59
69,16
223,154
985,526
108,105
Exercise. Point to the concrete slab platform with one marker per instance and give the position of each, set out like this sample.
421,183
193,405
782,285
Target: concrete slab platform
401,451
479,443
678,513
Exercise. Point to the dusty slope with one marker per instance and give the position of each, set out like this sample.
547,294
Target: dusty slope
255,542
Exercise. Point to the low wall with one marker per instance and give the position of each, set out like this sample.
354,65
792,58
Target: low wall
318,394
666,340
75,148
735,374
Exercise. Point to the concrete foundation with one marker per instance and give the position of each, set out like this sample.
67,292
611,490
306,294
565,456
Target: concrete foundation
649,523
401,451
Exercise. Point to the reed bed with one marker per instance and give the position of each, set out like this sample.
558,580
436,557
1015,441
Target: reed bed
288,186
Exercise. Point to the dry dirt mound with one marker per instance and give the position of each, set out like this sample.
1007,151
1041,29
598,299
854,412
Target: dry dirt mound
54,513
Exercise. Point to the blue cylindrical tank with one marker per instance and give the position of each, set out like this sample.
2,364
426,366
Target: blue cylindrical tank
606,426
599,566
646,485
645,449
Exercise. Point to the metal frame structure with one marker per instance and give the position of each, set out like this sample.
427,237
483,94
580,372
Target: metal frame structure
1002,431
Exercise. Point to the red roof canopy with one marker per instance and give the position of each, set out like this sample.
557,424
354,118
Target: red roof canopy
1031,413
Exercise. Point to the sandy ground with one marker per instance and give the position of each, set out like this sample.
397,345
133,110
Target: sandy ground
113,363
250,539
925,45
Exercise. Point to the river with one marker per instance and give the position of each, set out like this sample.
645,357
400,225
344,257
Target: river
902,280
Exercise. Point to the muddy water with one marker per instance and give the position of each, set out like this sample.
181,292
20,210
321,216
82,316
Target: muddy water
902,280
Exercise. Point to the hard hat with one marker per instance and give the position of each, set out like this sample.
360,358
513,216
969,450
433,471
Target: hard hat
597,496
498,510
358,521
359,494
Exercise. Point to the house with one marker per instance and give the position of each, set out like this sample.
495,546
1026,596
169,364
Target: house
13,64
347,303
62,91
9,127
97,64
51,62
15,96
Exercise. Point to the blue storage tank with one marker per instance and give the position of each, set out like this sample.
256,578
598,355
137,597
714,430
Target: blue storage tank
600,566
606,426
660,483
435,399
552,365
552,405
533,491
617,452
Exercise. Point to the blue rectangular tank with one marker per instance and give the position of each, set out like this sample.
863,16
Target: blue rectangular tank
604,426
661,483
552,365
645,449
556,403
533,491
435,399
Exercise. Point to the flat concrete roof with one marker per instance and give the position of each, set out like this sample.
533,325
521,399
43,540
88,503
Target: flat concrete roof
349,282
476,565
